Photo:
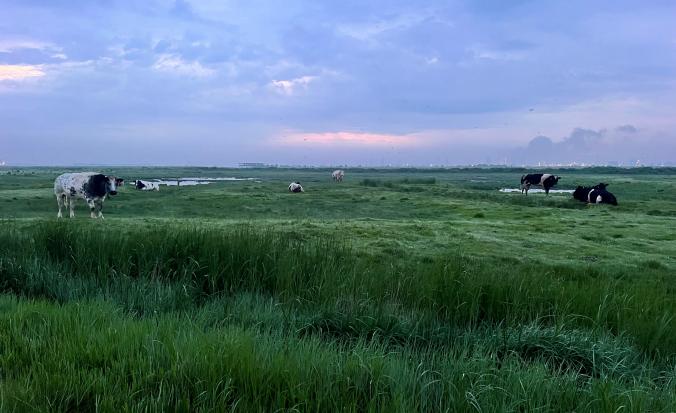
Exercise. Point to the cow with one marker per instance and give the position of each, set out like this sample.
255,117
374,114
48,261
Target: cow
93,187
594,195
146,186
295,187
338,175
547,181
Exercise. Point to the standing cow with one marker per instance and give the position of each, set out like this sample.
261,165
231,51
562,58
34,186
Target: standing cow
547,181
338,175
594,195
295,187
91,186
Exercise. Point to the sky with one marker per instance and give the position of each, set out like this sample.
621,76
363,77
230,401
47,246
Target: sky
303,82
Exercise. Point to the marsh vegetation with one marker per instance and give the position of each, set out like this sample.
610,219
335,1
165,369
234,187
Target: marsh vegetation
396,290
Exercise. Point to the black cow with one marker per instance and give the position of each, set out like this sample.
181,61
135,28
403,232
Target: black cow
594,195
547,181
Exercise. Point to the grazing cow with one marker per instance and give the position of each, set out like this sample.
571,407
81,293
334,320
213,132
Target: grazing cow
146,186
91,186
547,181
594,195
295,187
338,175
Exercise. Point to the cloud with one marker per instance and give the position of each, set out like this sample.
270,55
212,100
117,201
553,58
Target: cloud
398,75
19,45
291,86
368,32
624,145
174,64
626,129
483,53
344,138
20,72
11,45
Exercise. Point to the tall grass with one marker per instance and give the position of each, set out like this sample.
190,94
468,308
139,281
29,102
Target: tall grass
89,357
186,267
198,318
393,183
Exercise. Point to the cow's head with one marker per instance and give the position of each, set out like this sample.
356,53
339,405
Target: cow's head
100,185
112,183
601,186
556,179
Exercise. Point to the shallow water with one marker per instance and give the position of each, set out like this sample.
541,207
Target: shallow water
219,179
551,191
197,181
183,183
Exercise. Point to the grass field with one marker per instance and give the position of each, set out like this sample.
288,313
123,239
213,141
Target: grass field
396,290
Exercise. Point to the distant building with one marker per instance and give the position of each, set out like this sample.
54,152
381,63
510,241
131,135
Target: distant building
253,165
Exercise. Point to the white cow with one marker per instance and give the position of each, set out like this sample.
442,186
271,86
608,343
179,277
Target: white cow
295,187
338,175
146,185
93,187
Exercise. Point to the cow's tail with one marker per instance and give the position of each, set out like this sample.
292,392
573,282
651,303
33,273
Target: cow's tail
523,178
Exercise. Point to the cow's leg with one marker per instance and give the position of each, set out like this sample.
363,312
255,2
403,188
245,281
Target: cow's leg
70,201
92,208
59,201
99,208
546,191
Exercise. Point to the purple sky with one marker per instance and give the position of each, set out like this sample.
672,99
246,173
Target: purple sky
166,82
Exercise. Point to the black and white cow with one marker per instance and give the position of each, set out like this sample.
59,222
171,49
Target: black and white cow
146,185
91,186
338,175
547,181
594,195
295,187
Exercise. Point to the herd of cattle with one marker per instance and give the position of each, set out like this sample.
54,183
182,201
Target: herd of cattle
596,194
95,187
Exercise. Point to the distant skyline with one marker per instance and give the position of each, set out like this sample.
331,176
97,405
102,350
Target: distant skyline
216,83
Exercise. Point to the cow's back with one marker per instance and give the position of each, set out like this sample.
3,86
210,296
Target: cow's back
71,183
61,183
533,179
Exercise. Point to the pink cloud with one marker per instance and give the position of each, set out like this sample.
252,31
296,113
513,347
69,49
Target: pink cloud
345,138
19,72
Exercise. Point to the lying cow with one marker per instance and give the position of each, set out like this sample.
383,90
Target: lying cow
91,186
146,185
338,175
295,187
547,181
594,195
